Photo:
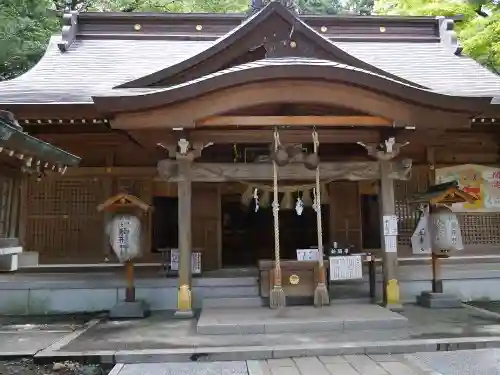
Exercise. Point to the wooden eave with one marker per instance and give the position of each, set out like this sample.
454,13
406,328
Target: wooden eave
215,25
14,139
121,201
51,111
240,39
292,69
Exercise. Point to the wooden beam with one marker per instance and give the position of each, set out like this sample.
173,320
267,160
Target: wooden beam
292,121
150,138
233,172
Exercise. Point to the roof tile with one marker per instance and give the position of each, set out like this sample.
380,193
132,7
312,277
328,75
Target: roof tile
92,67
428,64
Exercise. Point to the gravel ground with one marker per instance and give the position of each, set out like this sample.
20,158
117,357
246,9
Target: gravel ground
25,366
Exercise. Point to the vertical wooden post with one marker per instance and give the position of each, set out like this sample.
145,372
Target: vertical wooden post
437,283
390,254
23,210
130,288
16,202
184,298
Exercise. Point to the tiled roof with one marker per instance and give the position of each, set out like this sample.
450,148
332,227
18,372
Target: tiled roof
279,68
430,65
93,66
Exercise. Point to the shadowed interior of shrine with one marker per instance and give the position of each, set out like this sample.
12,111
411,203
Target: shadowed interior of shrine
247,234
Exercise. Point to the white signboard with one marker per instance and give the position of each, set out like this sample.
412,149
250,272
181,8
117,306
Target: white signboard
195,261
390,225
346,268
308,254
421,239
391,244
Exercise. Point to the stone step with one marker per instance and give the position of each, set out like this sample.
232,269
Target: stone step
299,319
341,301
229,291
226,281
232,302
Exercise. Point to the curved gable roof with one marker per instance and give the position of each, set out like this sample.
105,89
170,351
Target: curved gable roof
238,35
128,100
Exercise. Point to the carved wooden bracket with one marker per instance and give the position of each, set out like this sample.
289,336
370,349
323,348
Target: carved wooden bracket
184,149
386,150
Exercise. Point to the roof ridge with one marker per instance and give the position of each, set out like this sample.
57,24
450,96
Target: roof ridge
238,33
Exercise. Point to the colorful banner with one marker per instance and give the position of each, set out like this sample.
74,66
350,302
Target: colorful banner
478,180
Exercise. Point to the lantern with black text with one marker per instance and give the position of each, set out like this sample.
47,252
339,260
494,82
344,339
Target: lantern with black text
445,231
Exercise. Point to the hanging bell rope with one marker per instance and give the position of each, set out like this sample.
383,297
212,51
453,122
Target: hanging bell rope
277,297
321,296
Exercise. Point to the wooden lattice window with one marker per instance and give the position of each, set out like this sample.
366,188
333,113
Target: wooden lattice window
480,229
62,222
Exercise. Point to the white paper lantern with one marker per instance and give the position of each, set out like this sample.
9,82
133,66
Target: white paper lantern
124,233
445,231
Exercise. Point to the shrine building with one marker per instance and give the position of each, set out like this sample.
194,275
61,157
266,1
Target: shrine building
184,111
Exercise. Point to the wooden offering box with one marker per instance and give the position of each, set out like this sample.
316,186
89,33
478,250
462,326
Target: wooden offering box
299,279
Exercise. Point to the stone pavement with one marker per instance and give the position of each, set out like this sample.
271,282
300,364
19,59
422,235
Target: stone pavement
26,336
463,362
161,331
335,365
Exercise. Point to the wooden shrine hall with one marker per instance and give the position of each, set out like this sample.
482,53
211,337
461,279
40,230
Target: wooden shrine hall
253,136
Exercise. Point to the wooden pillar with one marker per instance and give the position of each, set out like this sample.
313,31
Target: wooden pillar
184,300
14,213
437,282
129,277
389,240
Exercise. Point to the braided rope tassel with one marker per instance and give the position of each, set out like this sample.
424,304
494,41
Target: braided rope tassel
277,297
321,295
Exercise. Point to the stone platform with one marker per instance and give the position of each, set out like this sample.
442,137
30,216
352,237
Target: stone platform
297,319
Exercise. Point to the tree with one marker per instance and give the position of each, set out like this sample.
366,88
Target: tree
479,31
320,6
25,28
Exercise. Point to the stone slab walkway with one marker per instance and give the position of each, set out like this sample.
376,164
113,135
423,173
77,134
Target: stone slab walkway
161,331
14,344
463,362
335,365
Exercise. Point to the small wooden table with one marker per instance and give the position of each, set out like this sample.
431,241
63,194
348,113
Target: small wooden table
299,279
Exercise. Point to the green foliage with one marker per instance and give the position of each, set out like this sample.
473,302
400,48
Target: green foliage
320,6
361,7
25,27
181,6
479,34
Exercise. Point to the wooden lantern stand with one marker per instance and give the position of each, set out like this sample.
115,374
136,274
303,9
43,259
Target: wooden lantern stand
438,196
127,204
